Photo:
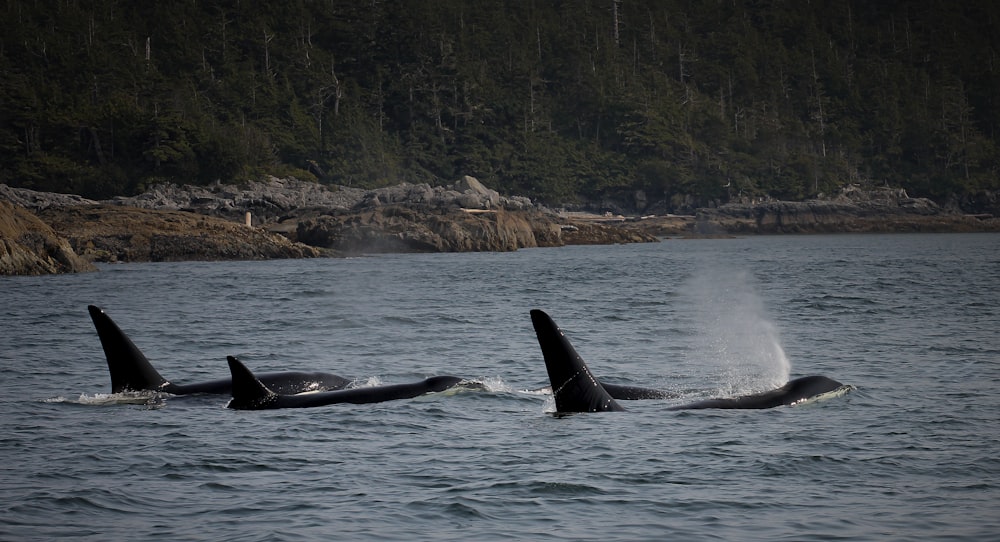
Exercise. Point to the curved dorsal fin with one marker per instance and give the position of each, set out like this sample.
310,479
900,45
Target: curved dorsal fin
129,368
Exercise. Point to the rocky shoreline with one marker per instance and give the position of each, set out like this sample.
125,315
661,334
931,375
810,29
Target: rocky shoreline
854,210
109,233
278,218
29,246
287,218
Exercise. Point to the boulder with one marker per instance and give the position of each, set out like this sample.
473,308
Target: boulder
475,195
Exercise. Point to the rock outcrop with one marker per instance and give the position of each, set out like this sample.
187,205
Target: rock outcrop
982,203
408,228
33,200
106,233
414,228
852,211
274,200
28,246
171,222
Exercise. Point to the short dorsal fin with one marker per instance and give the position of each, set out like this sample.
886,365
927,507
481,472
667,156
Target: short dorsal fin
248,391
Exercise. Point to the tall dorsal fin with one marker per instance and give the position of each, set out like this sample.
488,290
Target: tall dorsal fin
129,368
248,391
574,387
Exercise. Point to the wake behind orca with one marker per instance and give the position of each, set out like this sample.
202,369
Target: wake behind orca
577,390
131,371
249,393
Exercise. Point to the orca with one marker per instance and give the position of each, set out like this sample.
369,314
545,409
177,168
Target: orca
626,393
249,393
131,371
576,389
792,392
635,393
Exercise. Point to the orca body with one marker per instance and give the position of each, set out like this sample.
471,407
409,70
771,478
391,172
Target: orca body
577,390
795,390
628,393
635,393
249,393
131,371
574,387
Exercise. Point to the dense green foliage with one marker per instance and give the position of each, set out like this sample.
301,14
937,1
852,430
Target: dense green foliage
561,100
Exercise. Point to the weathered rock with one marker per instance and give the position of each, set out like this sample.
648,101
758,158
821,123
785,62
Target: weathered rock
266,200
980,203
481,197
107,233
853,210
408,228
272,198
465,216
33,200
593,233
28,246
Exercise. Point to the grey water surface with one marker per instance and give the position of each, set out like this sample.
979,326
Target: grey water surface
910,321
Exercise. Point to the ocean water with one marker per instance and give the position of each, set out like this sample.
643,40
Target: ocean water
910,321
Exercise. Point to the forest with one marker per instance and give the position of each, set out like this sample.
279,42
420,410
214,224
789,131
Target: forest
563,101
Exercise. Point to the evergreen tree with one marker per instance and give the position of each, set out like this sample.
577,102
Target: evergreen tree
563,101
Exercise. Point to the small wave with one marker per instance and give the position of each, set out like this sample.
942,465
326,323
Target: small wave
565,489
397,320
145,398
313,387
464,510
369,382
491,384
547,390
839,392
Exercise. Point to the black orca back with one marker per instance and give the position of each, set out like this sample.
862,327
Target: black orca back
792,392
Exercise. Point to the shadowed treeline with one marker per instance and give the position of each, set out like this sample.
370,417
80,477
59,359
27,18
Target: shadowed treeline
690,103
